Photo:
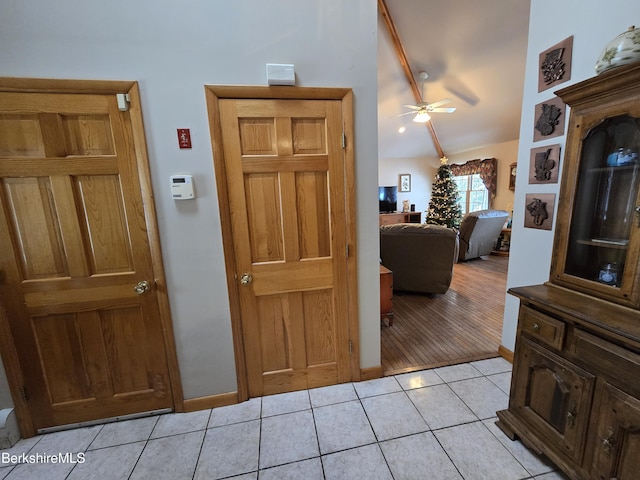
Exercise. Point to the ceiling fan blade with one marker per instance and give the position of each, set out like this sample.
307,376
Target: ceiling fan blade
407,113
414,107
444,101
441,110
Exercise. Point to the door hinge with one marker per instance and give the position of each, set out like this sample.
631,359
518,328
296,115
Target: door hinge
350,347
23,394
344,140
123,101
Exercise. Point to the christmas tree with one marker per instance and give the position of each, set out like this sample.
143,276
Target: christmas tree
443,206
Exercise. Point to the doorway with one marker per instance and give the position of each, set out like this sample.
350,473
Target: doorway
462,325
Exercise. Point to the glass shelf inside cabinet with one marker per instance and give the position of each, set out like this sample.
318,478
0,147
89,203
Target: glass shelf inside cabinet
605,202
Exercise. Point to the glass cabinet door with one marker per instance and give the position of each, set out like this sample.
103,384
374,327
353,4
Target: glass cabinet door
605,207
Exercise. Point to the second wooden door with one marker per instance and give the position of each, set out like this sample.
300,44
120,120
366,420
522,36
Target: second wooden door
285,173
76,265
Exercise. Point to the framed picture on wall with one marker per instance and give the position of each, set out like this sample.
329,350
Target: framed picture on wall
405,182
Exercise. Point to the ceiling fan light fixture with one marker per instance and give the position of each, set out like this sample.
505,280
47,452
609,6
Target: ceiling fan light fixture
422,117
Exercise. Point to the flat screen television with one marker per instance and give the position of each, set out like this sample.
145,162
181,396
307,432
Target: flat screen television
388,197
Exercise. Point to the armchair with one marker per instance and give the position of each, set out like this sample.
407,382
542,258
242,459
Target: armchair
420,256
479,232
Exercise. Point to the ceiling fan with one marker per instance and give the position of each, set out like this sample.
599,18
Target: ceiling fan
422,110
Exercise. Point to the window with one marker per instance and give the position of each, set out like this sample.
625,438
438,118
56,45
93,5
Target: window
472,194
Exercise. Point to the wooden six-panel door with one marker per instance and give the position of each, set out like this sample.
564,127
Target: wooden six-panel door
77,275
286,187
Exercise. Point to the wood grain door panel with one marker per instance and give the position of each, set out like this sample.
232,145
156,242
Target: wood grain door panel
553,397
75,244
615,439
286,182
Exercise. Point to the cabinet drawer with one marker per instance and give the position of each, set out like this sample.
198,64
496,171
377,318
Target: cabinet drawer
617,364
542,327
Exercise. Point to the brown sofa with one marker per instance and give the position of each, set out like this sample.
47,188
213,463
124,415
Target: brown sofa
479,232
420,256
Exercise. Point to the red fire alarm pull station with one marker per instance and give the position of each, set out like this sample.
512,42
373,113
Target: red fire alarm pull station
184,138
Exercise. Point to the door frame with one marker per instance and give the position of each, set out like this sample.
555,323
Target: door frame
8,352
213,94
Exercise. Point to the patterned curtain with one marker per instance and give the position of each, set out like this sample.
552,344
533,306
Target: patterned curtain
488,170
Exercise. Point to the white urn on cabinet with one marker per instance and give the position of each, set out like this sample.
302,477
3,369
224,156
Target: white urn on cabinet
623,49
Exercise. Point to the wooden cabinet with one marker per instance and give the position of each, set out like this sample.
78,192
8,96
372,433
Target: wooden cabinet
575,387
615,444
549,395
400,217
597,241
575,383
553,398
386,294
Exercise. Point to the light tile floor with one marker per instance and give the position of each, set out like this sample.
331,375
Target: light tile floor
432,424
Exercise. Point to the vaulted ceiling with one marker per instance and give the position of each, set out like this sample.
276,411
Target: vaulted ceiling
474,52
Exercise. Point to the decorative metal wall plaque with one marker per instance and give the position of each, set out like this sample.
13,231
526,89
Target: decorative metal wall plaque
544,164
539,210
549,119
555,65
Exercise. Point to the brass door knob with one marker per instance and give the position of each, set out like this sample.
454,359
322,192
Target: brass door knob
142,287
246,279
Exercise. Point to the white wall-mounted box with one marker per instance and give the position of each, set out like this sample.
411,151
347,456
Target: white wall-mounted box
182,187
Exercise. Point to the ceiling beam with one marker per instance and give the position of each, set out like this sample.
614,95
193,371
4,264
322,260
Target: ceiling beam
404,62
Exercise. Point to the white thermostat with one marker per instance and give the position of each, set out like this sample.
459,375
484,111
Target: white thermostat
182,187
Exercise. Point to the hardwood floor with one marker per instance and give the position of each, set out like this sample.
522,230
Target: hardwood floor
462,325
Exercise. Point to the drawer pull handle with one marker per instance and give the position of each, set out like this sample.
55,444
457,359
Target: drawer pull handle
609,442
536,327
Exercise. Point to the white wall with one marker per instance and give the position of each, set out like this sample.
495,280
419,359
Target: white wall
422,171
173,49
593,23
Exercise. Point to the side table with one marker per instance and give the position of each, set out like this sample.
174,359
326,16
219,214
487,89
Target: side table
503,244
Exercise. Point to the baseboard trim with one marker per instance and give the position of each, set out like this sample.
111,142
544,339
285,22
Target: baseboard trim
505,353
211,401
370,373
